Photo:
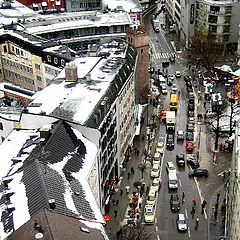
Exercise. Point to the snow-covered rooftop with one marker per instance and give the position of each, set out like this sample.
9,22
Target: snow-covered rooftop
64,21
77,100
21,168
127,5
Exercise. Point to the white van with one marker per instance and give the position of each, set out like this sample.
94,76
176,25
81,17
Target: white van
172,181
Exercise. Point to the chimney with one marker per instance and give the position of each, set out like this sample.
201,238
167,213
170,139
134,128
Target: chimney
88,77
52,203
71,72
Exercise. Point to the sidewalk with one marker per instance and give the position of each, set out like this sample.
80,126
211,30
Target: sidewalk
116,223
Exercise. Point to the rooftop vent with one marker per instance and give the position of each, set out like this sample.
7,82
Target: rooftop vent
88,77
44,133
52,203
39,236
71,72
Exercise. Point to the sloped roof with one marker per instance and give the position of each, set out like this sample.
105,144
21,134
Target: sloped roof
57,226
37,172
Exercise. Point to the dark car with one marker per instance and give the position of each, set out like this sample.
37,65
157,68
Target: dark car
190,136
193,162
175,202
198,173
172,59
190,127
187,78
191,97
188,84
163,74
189,89
191,107
170,141
190,113
180,160
169,81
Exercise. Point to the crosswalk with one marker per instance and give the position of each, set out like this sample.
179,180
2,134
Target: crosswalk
161,55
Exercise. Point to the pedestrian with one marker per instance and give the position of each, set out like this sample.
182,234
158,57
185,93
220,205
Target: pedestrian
218,196
117,201
204,104
221,147
115,213
132,170
143,186
194,202
129,174
127,189
216,206
137,152
197,221
224,174
205,116
113,201
143,136
215,214
183,196
193,210
223,207
121,192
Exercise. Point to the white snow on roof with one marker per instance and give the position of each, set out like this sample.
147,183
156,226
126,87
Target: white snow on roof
64,21
9,149
127,5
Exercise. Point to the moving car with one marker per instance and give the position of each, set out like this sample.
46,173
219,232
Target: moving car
180,160
180,135
178,74
199,172
181,222
193,162
174,87
157,158
155,171
156,184
170,141
172,180
149,214
189,146
175,202
151,199
170,167
164,89
160,147
190,136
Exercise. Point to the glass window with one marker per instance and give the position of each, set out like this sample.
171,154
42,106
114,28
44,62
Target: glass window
39,78
37,66
48,58
55,60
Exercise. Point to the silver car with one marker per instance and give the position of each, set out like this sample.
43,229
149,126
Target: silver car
181,222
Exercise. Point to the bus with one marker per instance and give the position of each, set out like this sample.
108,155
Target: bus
173,102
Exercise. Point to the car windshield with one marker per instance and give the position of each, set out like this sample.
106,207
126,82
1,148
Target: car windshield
171,168
155,184
151,198
155,170
173,181
175,202
149,213
181,221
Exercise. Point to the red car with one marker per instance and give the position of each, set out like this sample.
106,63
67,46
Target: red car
189,146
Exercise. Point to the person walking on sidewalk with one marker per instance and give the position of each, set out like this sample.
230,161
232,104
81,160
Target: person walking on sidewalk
218,196
132,170
129,174
203,204
197,221
115,213
183,197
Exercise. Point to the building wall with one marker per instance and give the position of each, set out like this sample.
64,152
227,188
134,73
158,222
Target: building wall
235,21
233,217
139,38
85,5
21,67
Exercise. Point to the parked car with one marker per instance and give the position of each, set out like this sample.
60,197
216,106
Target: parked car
156,184
155,171
169,81
190,136
198,173
190,127
149,214
157,158
170,141
191,120
178,74
181,222
191,97
162,73
193,162
170,167
174,202
190,114
151,199
171,76
187,78
190,107
180,135
180,160
189,146
160,147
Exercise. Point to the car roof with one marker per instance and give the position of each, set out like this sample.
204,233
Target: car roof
174,196
155,180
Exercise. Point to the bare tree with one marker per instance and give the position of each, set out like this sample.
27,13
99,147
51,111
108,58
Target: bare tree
205,50
136,232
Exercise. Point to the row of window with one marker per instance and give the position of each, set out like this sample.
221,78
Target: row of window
89,5
81,32
19,77
17,66
55,60
51,71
